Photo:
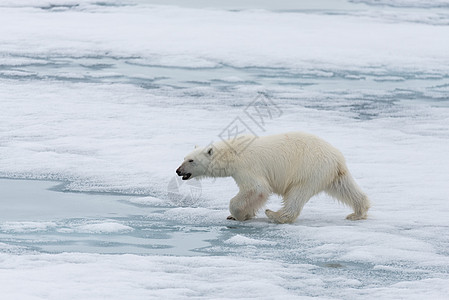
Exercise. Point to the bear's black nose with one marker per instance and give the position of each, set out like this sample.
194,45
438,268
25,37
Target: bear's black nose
178,172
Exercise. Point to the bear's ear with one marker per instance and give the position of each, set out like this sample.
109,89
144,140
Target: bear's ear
210,152
196,146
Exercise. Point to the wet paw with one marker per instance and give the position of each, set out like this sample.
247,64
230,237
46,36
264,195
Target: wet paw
231,218
355,217
278,217
272,215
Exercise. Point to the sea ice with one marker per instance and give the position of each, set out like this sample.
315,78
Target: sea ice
104,99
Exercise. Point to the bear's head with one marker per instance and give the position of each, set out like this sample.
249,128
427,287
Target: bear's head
215,160
197,163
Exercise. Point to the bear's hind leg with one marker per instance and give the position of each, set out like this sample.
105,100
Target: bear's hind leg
293,204
245,205
348,192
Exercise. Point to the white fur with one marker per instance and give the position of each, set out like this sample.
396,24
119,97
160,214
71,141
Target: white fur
293,165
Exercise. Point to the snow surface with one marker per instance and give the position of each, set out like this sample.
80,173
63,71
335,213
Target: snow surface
106,98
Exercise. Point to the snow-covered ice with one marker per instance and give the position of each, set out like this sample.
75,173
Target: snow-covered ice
101,100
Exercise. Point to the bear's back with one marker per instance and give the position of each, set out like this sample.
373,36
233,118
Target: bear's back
288,158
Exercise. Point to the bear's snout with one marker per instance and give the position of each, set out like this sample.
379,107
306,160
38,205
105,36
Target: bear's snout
182,173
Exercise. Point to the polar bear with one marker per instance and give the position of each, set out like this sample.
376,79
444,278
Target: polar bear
294,165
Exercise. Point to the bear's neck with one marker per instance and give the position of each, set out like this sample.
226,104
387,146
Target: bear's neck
223,166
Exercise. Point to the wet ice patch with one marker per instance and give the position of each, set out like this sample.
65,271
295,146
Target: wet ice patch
241,240
21,61
177,61
16,74
198,215
148,201
389,78
233,79
22,227
100,227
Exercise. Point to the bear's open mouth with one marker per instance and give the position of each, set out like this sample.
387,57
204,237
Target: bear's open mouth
186,176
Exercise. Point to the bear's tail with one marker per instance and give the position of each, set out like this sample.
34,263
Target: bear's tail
345,189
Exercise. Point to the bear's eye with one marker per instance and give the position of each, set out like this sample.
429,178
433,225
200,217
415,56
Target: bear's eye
190,160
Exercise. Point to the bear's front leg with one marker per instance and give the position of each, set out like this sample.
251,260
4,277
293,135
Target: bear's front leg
245,205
